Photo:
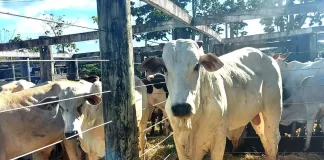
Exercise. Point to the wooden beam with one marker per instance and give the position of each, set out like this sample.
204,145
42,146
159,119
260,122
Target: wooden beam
259,13
46,68
49,41
171,9
121,138
88,54
261,44
274,35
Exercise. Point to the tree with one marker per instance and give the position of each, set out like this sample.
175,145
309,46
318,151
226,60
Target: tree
147,14
56,27
287,22
17,38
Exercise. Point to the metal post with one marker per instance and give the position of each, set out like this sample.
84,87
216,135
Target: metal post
28,70
13,71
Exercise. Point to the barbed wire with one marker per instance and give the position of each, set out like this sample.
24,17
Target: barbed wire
51,21
167,156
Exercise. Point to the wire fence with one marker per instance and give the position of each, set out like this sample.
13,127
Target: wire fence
67,138
102,60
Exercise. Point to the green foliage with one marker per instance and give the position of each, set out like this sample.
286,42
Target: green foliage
284,23
147,14
89,69
212,7
56,26
17,38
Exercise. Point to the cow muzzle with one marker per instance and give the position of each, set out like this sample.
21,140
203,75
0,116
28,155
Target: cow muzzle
70,134
181,109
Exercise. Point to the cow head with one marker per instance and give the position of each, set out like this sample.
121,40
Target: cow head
72,103
156,81
183,62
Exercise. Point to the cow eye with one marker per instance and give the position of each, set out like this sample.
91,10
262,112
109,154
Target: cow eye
79,110
164,70
197,66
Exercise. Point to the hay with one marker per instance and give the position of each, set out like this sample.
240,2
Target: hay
168,147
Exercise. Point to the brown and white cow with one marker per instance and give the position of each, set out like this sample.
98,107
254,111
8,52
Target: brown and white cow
26,129
210,97
16,86
83,113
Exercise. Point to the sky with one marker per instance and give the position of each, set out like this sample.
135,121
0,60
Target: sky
80,12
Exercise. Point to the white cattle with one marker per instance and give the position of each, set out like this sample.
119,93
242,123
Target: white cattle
86,112
27,129
295,109
16,86
210,97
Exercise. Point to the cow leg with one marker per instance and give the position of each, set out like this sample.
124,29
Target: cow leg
311,116
322,126
153,118
160,116
167,125
43,154
234,136
266,125
293,129
302,130
218,149
72,149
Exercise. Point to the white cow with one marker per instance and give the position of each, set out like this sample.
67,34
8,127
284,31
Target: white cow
16,86
211,96
83,113
293,73
27,129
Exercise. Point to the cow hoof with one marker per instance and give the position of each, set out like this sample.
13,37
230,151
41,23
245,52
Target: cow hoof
305,149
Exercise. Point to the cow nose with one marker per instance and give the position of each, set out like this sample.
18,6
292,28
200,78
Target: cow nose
181,109
70,134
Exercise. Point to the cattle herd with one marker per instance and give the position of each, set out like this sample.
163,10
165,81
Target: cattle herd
203,99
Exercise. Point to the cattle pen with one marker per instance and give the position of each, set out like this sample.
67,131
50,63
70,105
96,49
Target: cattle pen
118,59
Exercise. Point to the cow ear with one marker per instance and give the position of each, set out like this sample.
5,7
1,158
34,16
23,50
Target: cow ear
276,56
49,106
210,62
151,64
200,43
93,99
283,57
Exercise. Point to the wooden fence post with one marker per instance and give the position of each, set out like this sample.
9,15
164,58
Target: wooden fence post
13,71
73,70
46,68
115,39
